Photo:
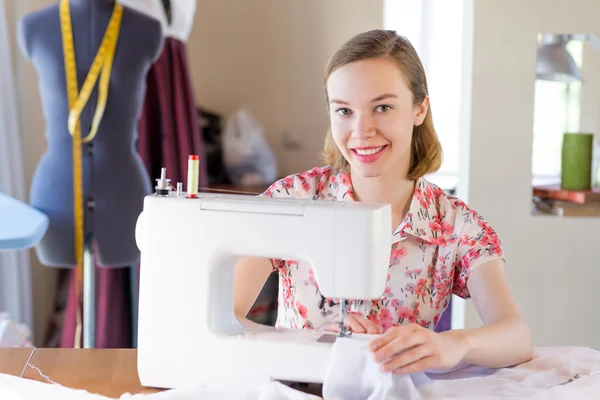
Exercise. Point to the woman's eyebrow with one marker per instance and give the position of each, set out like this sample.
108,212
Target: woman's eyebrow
378,98
384,96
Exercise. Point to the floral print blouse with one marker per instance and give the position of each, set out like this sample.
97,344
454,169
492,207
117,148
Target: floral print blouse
439,243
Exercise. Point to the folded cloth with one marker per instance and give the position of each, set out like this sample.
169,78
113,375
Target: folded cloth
353,373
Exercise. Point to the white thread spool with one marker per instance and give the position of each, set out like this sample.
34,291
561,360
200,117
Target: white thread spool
193,172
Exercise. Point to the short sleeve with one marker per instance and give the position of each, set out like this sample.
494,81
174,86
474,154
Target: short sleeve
478,243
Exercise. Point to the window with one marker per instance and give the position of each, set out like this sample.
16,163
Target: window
556,111
428,25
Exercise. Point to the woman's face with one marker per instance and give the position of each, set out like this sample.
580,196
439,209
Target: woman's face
372,116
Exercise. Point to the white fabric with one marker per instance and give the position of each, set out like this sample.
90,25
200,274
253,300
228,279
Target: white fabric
15,273
352,374
16,388
182,15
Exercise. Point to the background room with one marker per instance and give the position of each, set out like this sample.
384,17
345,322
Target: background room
256,68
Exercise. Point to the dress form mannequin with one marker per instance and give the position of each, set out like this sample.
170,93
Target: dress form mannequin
114,177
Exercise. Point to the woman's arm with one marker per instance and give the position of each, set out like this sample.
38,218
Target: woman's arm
250,275
505,339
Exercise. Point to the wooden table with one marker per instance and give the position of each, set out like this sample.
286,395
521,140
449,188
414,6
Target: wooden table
108,372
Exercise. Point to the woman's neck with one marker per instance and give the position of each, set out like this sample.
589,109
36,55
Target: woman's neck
385,189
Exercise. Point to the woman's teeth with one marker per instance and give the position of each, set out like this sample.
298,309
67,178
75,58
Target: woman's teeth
369,151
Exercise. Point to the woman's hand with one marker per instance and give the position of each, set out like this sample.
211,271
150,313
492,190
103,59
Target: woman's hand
356,323
412,348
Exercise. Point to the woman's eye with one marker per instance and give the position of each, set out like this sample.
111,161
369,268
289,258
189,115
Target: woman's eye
383,108
343,111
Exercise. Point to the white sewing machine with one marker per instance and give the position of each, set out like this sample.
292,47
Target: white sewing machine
187,331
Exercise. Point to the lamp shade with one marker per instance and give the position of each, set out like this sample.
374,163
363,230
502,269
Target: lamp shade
554,62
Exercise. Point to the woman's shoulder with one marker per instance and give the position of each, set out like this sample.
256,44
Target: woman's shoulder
469,227
307,184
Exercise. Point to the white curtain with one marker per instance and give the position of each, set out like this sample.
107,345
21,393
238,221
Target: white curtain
15,273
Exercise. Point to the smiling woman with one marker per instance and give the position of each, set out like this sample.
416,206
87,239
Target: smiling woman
380,145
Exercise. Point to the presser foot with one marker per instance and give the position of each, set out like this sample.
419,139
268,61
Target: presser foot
344,331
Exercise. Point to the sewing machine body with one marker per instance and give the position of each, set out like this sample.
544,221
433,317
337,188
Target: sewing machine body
187,330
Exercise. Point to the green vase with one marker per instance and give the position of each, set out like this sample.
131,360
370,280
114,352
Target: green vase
576,167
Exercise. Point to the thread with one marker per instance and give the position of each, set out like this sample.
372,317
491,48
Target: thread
39,371
193,172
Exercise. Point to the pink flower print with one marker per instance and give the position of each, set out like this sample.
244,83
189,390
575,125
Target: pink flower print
345,179
321,187
269,192
373,318
447,229
464,262
418,271
404,313
386,318
410,287
287,183
422,197
305,186
397,254
493,242
388,291
308,325
465,240
395,303
385,314
440,240
424,324
415,308
436,227
301,309
348,193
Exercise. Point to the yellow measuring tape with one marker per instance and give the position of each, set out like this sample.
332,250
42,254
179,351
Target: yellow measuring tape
77,100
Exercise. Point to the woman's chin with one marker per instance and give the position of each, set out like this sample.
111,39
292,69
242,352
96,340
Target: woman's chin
367,170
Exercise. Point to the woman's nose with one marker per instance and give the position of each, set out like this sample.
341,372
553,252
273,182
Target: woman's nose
364,126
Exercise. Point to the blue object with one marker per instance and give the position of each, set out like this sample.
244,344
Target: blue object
21,226
115,180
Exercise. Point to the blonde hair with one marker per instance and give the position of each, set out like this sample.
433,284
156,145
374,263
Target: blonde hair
426,150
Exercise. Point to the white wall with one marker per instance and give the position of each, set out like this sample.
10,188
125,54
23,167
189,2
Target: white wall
269,56
552,263
32,129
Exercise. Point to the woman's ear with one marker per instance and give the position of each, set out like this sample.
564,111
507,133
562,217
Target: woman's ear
421,111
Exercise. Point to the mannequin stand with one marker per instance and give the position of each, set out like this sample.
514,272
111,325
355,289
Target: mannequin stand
89,296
